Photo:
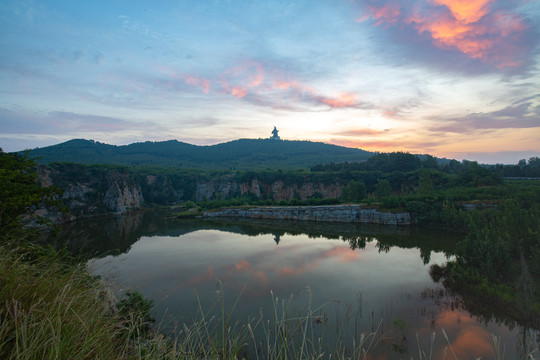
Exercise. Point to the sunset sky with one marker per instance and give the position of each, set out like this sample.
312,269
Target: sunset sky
452,78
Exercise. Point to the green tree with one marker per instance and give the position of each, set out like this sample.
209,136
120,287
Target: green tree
20,192
383,189
430,162
425,187
354,191
484,254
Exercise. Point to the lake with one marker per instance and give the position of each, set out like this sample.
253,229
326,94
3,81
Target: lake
358,278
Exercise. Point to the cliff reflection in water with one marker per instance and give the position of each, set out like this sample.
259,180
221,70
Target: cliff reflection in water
114,235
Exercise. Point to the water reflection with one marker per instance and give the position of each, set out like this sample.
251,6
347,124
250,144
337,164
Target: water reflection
373,272
114,235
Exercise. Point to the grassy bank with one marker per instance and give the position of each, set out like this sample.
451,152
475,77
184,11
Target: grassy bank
52,310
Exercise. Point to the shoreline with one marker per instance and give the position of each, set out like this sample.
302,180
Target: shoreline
333,213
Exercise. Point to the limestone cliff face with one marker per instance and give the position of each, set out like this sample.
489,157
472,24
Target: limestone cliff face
92,193
337,213
219,188
94,190
121,196
279,191
227,187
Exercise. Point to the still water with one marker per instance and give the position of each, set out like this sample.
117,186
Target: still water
375,277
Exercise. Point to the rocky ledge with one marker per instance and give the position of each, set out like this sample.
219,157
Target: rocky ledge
338,213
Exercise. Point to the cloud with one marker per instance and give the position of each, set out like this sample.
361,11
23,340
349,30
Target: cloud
382,144
520,116
56,122
243,265
207,276
86,123
480,29
253,83
201,83
361,132
342,100
389,145
469,340
466,10
344,254
497,157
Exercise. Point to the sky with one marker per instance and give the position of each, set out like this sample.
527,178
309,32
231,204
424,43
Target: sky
453,78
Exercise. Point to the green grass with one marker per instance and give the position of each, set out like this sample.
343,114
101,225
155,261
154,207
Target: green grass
186,214
51,310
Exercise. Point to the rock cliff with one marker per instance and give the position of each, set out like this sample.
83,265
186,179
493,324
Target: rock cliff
94,190
228,187
87,193
337,213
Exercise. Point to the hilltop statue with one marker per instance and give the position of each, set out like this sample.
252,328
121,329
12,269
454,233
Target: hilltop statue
275,134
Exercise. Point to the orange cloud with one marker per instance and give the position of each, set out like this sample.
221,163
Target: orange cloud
370,145
343,100
243,265
345,254
260,277
469,26
361,132
466,11
472,343
448,32
208,275
468,339
300,269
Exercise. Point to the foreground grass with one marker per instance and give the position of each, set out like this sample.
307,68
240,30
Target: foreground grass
52,310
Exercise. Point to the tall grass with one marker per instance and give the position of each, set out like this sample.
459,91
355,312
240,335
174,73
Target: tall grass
52,310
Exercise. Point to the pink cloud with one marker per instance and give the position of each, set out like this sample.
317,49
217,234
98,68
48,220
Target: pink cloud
299,269
208,275
242,265
285,85
468,26
202,83
238,92
466,11
245,77
388,13
267,87
345,254
342,100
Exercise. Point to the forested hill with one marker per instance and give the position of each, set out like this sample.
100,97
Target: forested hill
238,154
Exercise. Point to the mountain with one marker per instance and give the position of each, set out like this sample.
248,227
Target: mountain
240,154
